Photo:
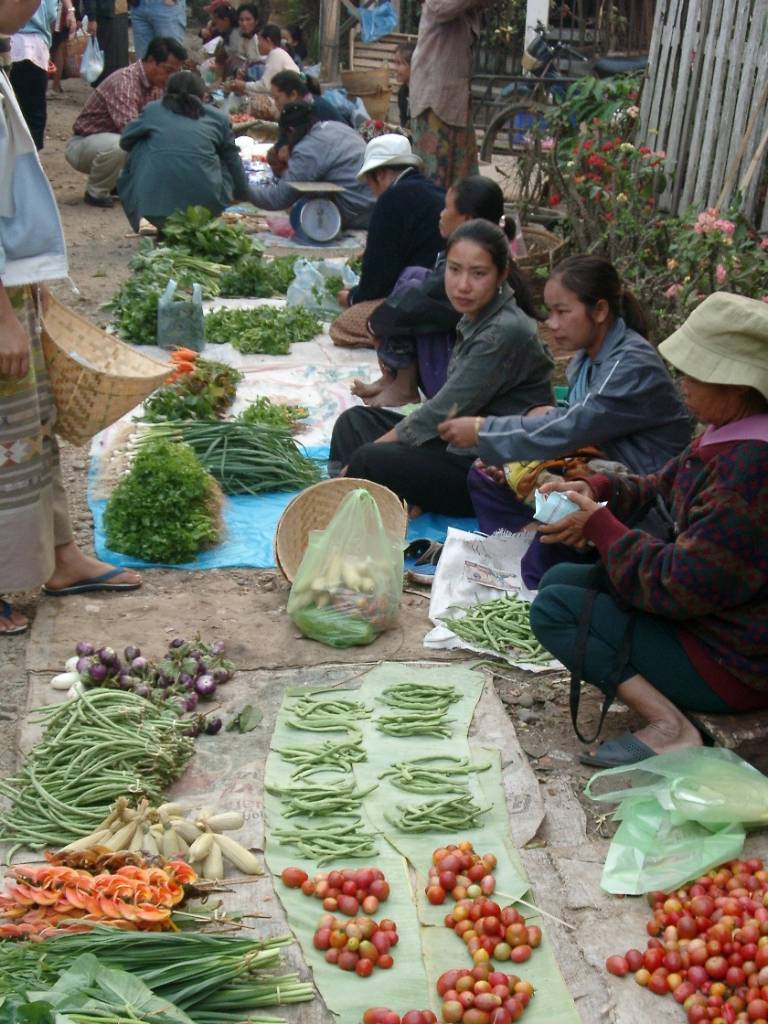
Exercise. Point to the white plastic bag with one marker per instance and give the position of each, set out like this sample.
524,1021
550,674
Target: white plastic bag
92,64
316,282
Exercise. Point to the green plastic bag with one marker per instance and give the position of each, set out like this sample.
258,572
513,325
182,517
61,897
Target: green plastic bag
348,587
683,813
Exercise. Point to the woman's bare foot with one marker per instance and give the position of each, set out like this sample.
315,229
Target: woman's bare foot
74,566
665,736
11,620
393,396
367,389
414,511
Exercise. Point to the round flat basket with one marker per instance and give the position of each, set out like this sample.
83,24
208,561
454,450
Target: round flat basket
543,247
314,508
95,378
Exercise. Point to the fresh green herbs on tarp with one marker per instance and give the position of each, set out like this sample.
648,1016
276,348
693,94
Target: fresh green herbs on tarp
273,414
205,393
197,230
254,277
244,458
167,508
265,330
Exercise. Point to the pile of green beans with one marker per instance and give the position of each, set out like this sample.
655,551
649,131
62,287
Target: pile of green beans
331,715
432,775
447,815
102,745
419,697
331,841
416,723
504,626
319,800
332,755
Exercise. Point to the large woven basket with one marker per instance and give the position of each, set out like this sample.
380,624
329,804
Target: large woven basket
543,248
314,508
373,88
95,378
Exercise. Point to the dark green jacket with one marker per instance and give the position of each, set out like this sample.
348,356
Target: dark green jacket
177,161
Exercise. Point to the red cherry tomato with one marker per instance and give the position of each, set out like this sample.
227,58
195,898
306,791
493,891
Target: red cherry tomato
617,965
294,878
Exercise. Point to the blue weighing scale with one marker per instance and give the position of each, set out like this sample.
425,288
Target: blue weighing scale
316,217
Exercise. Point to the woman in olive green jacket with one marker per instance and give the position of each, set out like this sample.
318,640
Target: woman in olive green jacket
181,153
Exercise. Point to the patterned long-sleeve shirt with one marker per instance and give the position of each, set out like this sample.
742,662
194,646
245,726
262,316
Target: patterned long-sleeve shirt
119,99
713,578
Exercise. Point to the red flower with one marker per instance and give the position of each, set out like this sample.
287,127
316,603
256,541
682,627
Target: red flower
588,145
607,147
554,199
645,150
595,161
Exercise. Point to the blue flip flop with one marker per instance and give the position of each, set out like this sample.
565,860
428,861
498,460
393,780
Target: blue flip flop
95,583
420,560
6,610
621,752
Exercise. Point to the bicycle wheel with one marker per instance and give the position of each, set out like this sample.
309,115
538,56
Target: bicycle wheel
514,143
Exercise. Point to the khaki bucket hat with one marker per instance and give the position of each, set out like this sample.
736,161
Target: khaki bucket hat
723,341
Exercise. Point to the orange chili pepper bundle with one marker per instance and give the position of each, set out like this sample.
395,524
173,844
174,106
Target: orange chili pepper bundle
40,899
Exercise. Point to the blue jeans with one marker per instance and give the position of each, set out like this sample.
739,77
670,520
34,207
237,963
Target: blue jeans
154,18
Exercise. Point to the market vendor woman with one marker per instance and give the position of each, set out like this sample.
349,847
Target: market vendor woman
498,366
690,609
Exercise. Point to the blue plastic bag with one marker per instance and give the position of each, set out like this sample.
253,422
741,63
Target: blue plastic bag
377,21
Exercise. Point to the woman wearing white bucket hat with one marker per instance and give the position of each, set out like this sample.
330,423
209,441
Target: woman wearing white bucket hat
677,622
404,232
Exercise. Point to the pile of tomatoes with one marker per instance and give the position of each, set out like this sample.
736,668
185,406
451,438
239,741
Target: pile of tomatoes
460,871
358,945
489,931
709,946
347,891
482,996
383,1015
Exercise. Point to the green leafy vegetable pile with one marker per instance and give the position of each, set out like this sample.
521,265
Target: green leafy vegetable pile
167,508
257,278
244,458
204,394
264,330
273,414
198,231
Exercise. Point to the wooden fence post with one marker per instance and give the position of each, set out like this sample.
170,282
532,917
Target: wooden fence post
329,40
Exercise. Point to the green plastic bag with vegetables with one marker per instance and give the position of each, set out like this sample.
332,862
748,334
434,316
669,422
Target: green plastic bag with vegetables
348,587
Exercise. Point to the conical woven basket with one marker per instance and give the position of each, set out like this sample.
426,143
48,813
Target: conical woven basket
314,508
95,378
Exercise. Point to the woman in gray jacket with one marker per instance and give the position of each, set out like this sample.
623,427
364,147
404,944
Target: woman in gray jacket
621,402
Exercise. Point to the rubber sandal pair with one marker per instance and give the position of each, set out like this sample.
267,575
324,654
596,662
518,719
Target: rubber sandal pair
6,611
619,753
95,583
420,560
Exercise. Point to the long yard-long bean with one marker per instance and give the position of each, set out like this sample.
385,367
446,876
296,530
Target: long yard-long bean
416,723
104,744
332,755
448,815
331,841
316,800
433,775
504,626
419,697
327,715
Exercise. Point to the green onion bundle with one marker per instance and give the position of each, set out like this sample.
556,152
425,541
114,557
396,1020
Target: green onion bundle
244,458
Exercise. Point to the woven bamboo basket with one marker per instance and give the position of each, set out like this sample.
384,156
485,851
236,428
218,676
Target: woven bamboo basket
95,378
314,508
373,88
543,247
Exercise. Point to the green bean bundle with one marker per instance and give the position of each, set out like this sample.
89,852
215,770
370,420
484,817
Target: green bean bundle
419,697
102,745
332,755
446,815
433,775
416,723
328,715
333,841
503,626
318,800
244,458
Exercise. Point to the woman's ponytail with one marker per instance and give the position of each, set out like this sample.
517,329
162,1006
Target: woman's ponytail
633,313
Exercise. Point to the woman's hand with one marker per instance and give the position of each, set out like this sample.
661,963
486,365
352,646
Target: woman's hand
570,530
495,473
389,438
14,346
342,297
579,486
236,85
461,432
539,410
